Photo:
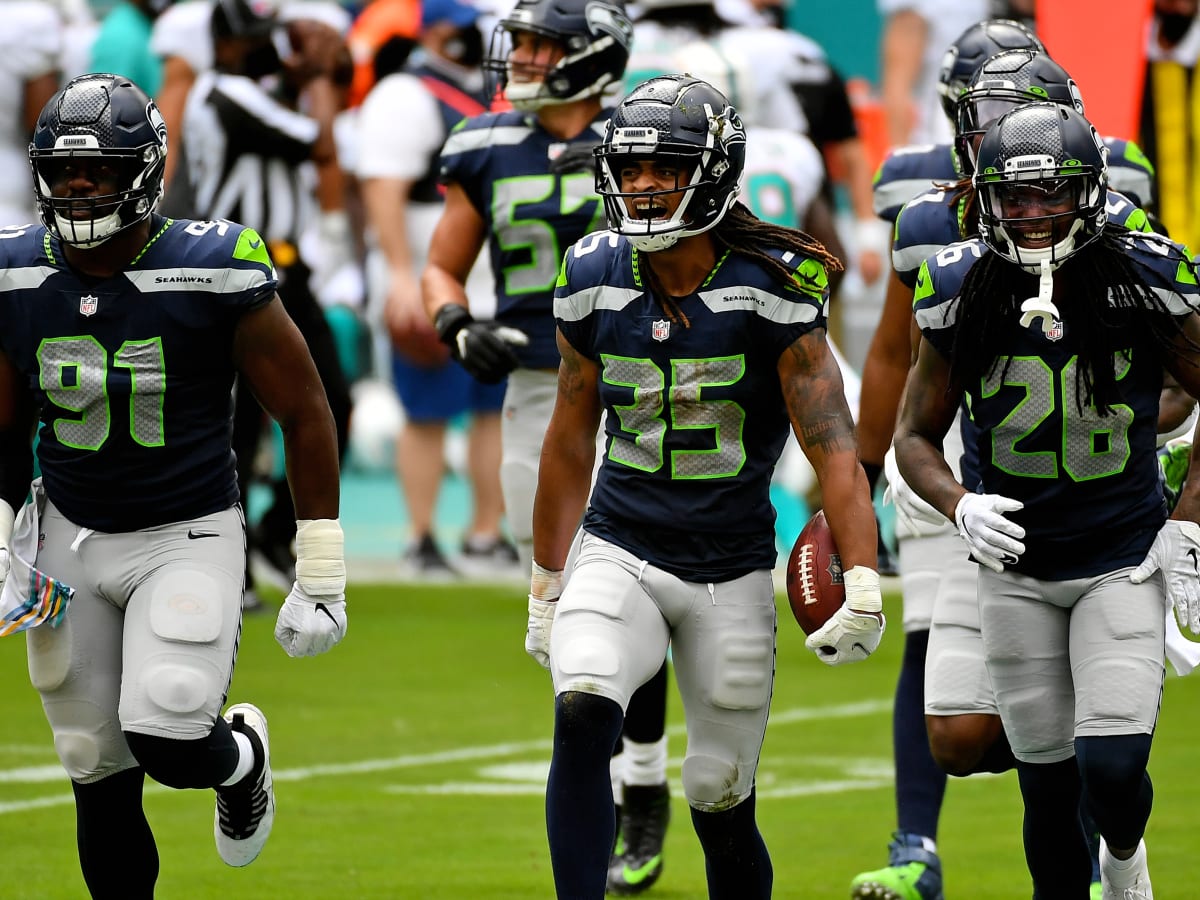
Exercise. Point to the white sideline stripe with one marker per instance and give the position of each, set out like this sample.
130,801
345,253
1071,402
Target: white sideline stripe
469,788
39,774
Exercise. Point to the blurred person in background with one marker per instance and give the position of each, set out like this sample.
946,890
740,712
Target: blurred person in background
1169,129
31,41
913,46
122,43
252,156
403,123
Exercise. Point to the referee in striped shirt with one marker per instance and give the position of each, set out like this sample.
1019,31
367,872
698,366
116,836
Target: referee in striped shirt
252,157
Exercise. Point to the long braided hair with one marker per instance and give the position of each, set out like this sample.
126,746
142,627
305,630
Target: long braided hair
740,231
1107,303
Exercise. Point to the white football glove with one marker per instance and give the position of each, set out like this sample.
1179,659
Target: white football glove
910,506
994,540
313,617
308,626
544,589
855,630
1176,553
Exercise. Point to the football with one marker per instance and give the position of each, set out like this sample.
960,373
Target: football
815,586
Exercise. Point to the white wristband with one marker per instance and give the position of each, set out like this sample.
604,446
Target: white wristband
7,517
862,590
872,234
320,557
545,585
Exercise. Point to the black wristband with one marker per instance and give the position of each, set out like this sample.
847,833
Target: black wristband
873,471
450,320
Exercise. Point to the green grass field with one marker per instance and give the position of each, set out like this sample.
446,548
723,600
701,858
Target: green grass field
410,763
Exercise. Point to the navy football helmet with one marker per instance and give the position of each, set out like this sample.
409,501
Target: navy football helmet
973,48
675,117
1009,79
1036,157
595,35
110,118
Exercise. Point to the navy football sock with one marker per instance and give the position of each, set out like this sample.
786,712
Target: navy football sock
580,820
735,858
1055,848
116,847
1119,792
646,715
920,783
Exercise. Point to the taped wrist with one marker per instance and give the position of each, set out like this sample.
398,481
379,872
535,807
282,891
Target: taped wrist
545,585
450,320
320,557
862,590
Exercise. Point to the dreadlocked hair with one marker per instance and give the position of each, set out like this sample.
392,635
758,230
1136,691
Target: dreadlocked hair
740,231
963,191
1108,305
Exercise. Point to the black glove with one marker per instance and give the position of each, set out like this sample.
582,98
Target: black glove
574,158
483,348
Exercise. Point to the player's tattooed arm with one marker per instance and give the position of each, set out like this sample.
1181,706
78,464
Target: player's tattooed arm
816,402
568,456
1184,368
815,397
926,415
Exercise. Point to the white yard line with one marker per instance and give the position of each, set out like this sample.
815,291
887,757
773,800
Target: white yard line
52,774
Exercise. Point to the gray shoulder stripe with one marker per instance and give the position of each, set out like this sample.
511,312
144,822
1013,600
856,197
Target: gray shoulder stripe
897,193
937,317
24,278
476,139
1176,303
909,259
581,304
765,303
215,281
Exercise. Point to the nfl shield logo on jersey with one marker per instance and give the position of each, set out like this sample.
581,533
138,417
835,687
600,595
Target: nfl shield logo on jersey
660,330
88,304
1056,331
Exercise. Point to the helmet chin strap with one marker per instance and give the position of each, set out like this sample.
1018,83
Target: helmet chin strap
1041,308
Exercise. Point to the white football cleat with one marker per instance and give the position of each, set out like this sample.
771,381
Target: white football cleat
246,811
1132,883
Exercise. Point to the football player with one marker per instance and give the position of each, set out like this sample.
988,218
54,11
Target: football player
699,331
945,717
522,183
120,336
1054,327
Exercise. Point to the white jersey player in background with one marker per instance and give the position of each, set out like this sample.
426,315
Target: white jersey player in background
31,35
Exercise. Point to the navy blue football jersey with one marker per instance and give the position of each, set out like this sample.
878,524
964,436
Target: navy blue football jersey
538,195
909,171
133,373
1089,482
695,414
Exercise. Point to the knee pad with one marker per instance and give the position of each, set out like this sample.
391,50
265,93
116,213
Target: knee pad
79,752
711,784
